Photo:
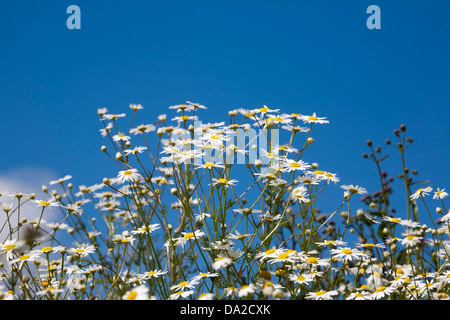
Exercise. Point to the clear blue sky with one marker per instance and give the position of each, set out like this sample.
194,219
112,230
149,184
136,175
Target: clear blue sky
299,56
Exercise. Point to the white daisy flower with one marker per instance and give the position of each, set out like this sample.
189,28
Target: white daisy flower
137,293
223,182
421,192
46,203
143,128
180,294
440,194
136,107
351,189
302,279
313,119
183,285
246,290
321,295
411,240
327,176
289,165
121,137
61,180
382,292
135,150
346,253
83,250
128,175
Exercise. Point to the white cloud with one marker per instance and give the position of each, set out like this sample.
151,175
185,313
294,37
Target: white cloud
25,180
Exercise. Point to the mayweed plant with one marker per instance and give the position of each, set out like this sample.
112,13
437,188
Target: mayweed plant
224,211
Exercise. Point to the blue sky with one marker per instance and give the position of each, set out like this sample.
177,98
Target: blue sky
299,56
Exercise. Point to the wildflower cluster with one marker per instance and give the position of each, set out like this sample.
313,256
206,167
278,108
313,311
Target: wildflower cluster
222,211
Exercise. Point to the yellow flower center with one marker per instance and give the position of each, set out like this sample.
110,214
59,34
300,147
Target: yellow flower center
25,257
132,295
268,284
270,251
301,278
44,203
189,235
263,109
312,118
209,165
312,260
46,249
222,181
319,293
380,289
294,165
283,256
443,295
9,247
319,172
347,251
184,118
184,284
128,172
396,220
410,237
79,250
280,272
